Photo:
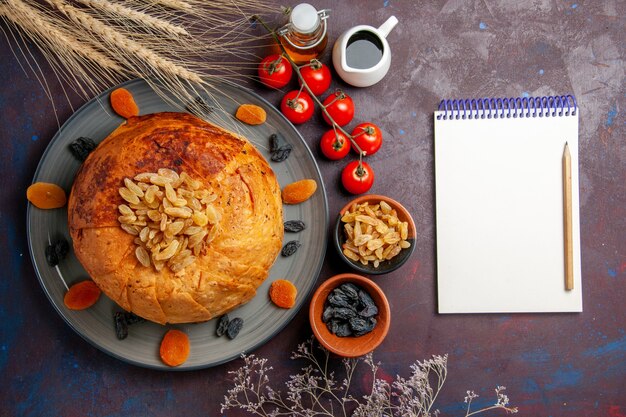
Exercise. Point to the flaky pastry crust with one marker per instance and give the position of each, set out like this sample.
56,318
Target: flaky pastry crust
233,265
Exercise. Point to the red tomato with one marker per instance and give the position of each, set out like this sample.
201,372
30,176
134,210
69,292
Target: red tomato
334,145
297,106
368,136
317,77
340,107
275,71
357,178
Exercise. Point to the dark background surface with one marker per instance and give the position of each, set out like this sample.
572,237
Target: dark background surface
552,364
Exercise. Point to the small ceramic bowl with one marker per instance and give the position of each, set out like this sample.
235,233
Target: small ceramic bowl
349,346
384,266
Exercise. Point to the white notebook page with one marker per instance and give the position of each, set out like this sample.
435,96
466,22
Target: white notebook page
499,208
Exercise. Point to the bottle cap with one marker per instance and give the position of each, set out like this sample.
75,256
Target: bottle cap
304,18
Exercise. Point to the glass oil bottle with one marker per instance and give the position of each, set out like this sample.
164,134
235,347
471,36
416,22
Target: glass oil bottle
305,36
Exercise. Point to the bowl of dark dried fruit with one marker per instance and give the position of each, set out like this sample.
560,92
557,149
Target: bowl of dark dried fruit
349,315
374,234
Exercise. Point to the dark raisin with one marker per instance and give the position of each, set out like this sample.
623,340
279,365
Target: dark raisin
199,106
290,248
362,326
132,318
281,154
62,248
344,313
333,325
365,300
276,141
371,323
338,298
294,226
51,257
343,330
349,311
358,325
57,251
234,327
82,147
121,325
369,311
222,325
351,290
328,314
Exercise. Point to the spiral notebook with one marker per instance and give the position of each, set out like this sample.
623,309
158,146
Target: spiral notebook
499,205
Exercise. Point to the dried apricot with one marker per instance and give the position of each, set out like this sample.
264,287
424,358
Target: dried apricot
174,348
283,293
251,114
299,191
82,295
123,103
45,195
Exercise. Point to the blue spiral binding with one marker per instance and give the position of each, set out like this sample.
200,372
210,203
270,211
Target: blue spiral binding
500,108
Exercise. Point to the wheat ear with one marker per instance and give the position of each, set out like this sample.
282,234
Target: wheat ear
35,24
116,40
145,19
173,4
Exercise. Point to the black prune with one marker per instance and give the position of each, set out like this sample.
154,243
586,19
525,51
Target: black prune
290,248
57,251
121,325
222,325
234,327
294,226
82,147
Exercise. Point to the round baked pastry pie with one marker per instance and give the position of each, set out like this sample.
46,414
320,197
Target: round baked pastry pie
176,219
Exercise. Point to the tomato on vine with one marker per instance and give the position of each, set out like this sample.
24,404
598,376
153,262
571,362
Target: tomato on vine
275,71
340,107
368,136
317,76
297,106
357,177
334,144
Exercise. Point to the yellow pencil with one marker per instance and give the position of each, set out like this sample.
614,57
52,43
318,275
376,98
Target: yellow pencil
567,218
